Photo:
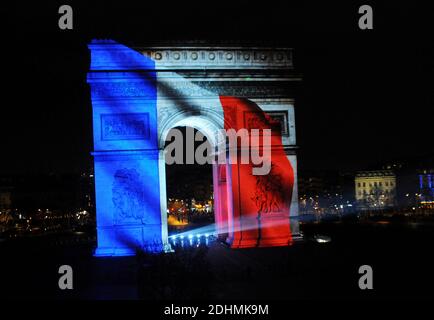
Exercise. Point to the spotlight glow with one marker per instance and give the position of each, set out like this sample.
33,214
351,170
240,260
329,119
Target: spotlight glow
322,239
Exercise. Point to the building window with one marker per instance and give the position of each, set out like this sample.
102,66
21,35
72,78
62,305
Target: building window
387,184
364,184
358,184
380,183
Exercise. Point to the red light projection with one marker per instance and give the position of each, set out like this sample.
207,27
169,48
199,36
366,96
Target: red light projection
261,203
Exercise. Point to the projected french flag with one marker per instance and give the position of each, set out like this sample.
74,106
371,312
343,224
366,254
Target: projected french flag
136,101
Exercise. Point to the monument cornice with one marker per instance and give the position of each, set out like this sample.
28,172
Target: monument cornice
198,57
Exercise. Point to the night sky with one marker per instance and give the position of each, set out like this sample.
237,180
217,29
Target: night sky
366,97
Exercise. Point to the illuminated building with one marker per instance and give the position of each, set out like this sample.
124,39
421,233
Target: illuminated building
375,189
426,189
138,96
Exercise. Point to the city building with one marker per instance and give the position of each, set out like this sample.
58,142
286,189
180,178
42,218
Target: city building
375,189
5,199
323,193
426,189
310,185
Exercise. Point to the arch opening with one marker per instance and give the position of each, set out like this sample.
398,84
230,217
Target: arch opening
189,188
194,204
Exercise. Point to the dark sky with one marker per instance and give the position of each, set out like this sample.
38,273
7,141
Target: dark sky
366,97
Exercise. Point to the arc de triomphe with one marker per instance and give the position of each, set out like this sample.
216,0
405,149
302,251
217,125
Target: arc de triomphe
139,94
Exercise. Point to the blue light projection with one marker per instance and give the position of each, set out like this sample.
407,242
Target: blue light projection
124,105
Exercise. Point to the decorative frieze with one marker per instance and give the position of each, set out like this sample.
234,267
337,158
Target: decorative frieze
248,89
219,58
